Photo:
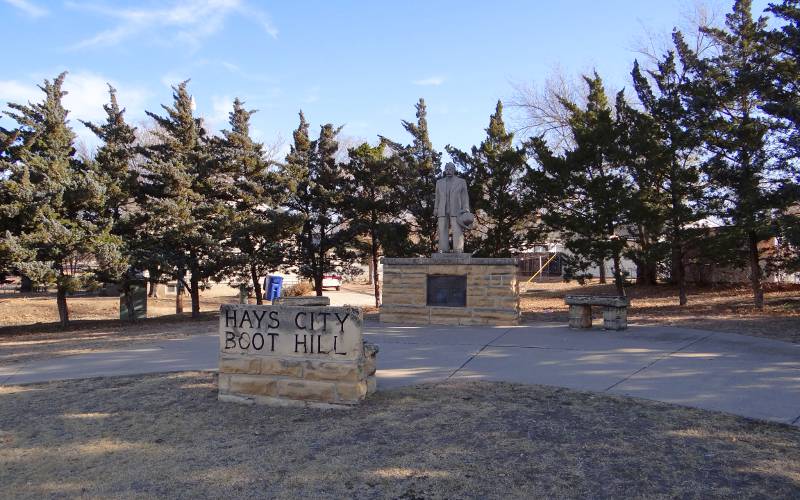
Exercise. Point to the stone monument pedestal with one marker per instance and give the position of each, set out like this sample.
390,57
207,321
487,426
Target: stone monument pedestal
450,289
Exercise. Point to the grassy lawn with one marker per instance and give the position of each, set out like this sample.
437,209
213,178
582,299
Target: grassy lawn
168,436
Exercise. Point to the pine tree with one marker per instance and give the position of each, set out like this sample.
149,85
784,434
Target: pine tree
417,184
746,182
54,203
494,170
260,230
114,158
670,149
182,198
374,207
638,148
316,196
586,191
781,91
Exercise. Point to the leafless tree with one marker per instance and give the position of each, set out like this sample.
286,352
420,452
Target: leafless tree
540,110
651,44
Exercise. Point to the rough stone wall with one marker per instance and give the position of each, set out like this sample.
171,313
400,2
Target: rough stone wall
492,291
294,355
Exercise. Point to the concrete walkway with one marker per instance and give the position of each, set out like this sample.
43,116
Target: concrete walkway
748,376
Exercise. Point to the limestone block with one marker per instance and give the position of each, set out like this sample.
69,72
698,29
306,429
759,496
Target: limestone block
303,301
293,355
291,331
404,318
236,364
473,320
615,318
597,300
580,316
455,312
475,290
224,382
437,319
405,298
497,316
282,367
370,359
492,291
372,385
330,370
351,392
500,291
479,301
307,390
511,302
417,309
261,385
475,284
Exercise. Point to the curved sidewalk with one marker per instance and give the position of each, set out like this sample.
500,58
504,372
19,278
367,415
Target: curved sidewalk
752,377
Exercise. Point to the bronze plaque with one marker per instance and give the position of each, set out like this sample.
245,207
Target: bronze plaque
448,290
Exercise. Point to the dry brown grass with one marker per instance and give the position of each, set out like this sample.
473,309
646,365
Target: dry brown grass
29,325
168,436
39,310
21,344
722,308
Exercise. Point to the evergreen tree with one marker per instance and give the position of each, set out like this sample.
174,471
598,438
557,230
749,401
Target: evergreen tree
316,196
417,184
114,158
260,230
53,202
638,149
113,165
182,194
586,191
746,182
374,207
782,86
669,146
781,92
7,138
495,169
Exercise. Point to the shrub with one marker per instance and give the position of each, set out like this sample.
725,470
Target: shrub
298,289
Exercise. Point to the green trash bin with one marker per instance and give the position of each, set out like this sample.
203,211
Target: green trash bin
138,295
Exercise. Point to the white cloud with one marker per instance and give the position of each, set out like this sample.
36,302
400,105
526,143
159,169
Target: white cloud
221,106
28,7
185,21
431,81
89,91
20,93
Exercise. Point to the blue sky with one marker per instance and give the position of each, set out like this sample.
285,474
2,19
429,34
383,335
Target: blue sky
361,64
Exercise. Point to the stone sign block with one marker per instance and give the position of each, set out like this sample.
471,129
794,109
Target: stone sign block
294,355
133,302
450,289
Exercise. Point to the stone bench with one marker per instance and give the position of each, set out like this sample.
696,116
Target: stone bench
615,311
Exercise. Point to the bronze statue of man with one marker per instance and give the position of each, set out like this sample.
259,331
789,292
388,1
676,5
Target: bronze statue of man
452,209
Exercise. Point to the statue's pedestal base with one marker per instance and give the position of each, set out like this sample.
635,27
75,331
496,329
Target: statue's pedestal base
450,289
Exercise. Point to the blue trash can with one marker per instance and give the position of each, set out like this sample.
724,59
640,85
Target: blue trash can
273,286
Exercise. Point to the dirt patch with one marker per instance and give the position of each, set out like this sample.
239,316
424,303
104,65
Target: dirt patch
168,436
721,308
